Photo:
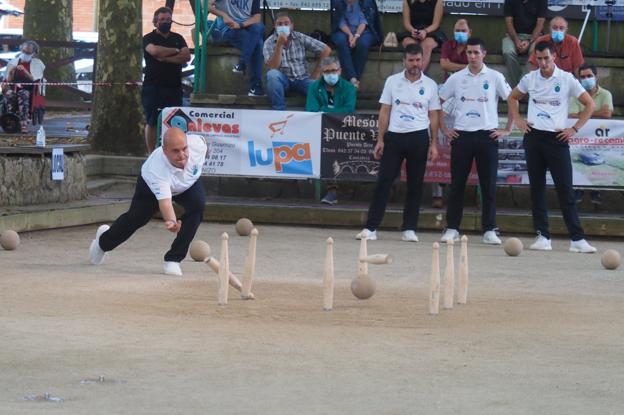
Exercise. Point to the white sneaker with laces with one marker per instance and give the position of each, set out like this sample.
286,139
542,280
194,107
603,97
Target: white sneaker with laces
172,268
409,236
541,244
581,246
367,234
490,237
96,255
450,235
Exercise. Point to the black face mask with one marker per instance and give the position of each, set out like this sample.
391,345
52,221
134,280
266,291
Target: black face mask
164,27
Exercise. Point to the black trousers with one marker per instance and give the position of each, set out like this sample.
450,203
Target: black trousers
469,146
143,206
413,148
544,151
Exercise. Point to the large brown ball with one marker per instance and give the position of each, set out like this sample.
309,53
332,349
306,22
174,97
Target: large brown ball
363,287
199,250
244,226
9,240
513,246
610,259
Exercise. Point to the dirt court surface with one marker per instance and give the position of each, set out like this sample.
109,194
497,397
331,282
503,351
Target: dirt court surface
543,333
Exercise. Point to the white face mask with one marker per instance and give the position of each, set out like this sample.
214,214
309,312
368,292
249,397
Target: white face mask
25,57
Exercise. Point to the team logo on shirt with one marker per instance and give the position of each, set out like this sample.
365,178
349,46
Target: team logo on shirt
195,170
543,114
421,91
473,114
557,87
486,85
397,101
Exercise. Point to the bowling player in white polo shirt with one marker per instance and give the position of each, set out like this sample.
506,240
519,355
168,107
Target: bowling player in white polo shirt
170,173
409,108
476,90
546,137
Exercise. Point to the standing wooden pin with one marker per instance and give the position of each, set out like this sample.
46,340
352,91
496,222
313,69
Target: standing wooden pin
462,290
250,266
434,295
449,276
328,276
224,271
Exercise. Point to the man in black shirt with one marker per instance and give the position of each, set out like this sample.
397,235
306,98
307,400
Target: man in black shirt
524,20
165,53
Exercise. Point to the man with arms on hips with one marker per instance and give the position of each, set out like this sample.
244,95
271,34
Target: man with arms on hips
165,52
476,90
408,130
546,137
171,173
285,56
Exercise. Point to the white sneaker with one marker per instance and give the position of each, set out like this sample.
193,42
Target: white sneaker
450,235
96,255
366,234
541,244
581,246
490,237
172,268
409,236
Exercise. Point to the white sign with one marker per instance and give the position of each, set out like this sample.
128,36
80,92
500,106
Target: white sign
259,143
58,164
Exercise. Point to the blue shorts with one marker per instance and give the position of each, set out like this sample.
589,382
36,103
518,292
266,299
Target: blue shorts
154,98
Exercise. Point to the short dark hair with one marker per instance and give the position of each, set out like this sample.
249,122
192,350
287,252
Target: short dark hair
590,67
477,41
543,45
412,49
284,13
159,11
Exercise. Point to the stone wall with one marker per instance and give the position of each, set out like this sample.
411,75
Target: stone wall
25,179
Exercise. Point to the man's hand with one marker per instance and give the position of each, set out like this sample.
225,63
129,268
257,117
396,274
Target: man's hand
496,134
230,23
523,125
433,153
450,133
566,134
282,39
172,226
352,41
524,47
378,151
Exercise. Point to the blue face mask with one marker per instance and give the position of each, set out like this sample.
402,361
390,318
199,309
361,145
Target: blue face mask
282,29
557,36
331,78
461,37
588,83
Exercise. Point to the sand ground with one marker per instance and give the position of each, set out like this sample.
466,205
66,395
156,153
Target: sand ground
543,333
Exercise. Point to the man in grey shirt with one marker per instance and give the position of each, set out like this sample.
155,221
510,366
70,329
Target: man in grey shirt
285,56
238,23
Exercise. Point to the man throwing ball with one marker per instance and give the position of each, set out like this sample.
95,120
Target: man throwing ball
169,174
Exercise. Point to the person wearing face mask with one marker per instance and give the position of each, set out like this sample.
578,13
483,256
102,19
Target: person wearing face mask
331,93
285,58
165,52
453,56
569,56
603,101
170,173
23,70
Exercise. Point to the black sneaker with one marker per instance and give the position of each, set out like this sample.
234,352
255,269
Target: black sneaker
596,197
578,196
256,92
239,68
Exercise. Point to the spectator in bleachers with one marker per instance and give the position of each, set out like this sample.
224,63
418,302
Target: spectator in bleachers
331,93
453,57
604,109
524,20
285,56
568,54
422,19
239,24
355,28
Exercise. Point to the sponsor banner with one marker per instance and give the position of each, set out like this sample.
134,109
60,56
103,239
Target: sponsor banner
253,142
347,144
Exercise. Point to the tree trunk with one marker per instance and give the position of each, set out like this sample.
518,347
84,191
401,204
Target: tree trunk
52,20
117,115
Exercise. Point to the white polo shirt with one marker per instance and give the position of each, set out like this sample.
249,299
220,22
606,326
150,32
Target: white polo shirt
164,179
549,98
476,98
410,101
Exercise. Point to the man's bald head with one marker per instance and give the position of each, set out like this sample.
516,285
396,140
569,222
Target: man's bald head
175,147
559,23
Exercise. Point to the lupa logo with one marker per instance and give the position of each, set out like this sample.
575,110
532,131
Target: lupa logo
286,157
